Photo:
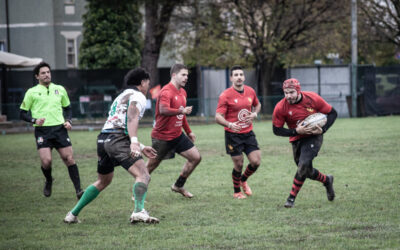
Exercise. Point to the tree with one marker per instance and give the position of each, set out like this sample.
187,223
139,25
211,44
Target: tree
384,16
380,31
271,29
111,37
200,36
157,18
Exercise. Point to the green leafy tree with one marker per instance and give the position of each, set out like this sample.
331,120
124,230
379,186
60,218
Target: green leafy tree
111,35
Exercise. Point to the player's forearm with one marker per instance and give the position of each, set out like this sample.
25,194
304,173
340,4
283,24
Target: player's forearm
257,108
284,131
26,116
67,111
168,111
185,126
133,121
221,120
330,120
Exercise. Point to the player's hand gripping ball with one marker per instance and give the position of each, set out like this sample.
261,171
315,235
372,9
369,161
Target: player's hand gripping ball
317,119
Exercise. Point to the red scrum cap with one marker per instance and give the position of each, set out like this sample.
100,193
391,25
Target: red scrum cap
291,83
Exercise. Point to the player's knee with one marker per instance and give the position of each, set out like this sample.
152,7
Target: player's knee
305,169
197,159
68,160
146,178
46,163
255,163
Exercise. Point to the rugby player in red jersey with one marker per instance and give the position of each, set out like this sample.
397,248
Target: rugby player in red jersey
167,135
306,141
237,108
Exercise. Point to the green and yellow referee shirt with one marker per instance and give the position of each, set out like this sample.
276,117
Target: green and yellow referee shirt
46,102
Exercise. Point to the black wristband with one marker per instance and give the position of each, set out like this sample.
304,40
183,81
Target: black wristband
70,122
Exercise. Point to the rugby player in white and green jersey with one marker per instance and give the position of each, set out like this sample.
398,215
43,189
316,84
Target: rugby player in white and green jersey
47,106
117,144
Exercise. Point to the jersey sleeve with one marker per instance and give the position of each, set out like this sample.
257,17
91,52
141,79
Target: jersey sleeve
165,99
255,99
278,119
222,104
140,101
27,102
64,99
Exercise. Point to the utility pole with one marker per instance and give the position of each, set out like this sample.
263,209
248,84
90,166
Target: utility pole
8,28
354,59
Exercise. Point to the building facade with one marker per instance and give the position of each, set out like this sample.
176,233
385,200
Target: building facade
49,29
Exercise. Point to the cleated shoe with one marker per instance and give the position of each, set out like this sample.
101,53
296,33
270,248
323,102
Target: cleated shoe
289,203
143,216
330,193
246,188
239,195
182,191
70,218
79,194
47,188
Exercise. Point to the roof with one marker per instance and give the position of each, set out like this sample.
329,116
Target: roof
13,60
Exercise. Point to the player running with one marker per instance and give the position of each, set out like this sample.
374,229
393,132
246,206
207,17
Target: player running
117,144
167,135
306,142
237,108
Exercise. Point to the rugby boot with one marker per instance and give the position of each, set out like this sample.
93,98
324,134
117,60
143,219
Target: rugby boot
70,218
330,193
47,188
239,195
246,188
182,191
143,216
289,203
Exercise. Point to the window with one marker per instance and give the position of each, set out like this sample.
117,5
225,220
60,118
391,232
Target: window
69,7
2,46
71,51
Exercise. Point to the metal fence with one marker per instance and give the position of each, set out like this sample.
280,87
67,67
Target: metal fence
204,109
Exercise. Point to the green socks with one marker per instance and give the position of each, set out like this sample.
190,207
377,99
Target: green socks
139,191
90,194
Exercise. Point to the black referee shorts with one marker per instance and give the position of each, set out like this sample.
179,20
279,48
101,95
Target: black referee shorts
236,143
52,137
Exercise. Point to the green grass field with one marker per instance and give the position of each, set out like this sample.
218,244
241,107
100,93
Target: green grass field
363,154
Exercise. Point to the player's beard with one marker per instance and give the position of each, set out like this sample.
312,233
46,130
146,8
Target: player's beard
239,84
291,100
46,82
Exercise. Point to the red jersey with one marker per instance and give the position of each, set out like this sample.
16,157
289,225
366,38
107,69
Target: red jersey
170,127
236,106
292,114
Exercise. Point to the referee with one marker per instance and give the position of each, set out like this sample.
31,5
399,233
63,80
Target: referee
48,108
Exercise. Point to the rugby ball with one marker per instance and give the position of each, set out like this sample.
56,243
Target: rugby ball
315,119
